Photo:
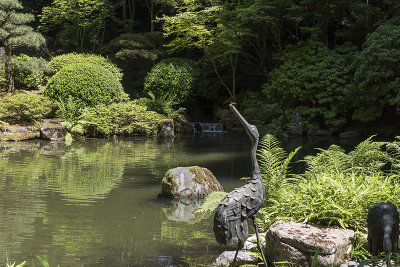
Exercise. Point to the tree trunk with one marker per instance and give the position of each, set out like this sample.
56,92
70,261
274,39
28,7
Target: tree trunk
152,16
150,6
9,77
123,10
132,10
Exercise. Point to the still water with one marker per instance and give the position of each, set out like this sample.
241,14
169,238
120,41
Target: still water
95,203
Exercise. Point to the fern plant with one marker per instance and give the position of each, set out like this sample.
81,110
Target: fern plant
368,157
70,111
274,164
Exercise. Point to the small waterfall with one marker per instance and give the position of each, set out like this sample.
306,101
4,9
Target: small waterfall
208,127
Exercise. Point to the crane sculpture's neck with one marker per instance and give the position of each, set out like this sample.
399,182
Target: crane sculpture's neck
253,134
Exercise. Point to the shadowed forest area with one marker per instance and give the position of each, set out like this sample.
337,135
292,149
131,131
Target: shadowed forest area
335,63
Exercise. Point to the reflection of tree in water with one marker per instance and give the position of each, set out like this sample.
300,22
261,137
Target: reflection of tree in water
88,173
22,191
196,237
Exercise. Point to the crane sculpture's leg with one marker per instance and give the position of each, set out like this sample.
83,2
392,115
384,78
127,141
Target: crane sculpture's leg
237,251
258,240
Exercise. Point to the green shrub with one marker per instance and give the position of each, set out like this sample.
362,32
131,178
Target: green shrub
61,61
24,108
91,84
28,72
378,74
316,80
172,79
162,106
126,119
136,54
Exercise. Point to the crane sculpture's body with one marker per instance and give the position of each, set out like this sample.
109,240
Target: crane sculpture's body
230,221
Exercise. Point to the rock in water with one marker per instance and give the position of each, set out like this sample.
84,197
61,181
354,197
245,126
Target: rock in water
189,182
165,129
298,242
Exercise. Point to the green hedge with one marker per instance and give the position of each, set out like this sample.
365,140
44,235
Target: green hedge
61,61
91,84
126,119
24,108
172,79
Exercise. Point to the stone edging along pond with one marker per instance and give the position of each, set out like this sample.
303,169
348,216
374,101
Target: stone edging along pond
48,130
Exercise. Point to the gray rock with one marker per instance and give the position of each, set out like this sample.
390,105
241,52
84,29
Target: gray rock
322,133
251,243
298,242
243,257
350,264
189,182
165,129
10,130
22,130
52,130
297,123
349,135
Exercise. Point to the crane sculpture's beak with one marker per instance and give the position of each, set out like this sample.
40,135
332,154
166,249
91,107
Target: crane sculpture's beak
250,129
240,117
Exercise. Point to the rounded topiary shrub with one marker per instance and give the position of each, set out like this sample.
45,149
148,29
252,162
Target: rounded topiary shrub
172,79
88,83
61,61
24,108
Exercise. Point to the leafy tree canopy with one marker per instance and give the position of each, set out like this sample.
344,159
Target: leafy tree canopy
314,79
378,73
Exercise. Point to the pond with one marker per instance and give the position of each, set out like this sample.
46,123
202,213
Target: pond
95,203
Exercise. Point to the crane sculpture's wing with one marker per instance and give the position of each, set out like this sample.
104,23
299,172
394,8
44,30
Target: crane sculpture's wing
230,221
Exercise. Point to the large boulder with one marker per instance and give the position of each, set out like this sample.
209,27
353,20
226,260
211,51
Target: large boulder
189,182
52,130
298,242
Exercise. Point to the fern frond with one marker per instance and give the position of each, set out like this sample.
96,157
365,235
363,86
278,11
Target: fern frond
211,202
369,156
332,160
274,163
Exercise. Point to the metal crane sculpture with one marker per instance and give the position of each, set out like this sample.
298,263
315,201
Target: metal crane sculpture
230,221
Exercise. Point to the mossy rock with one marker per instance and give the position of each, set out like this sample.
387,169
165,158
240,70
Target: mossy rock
189,182
165,129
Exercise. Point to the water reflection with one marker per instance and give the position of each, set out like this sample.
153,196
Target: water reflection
86,174
183,210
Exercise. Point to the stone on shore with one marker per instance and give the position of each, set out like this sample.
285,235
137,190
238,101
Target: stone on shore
349,135
52,130
243,257
297,243
251,243
189,182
